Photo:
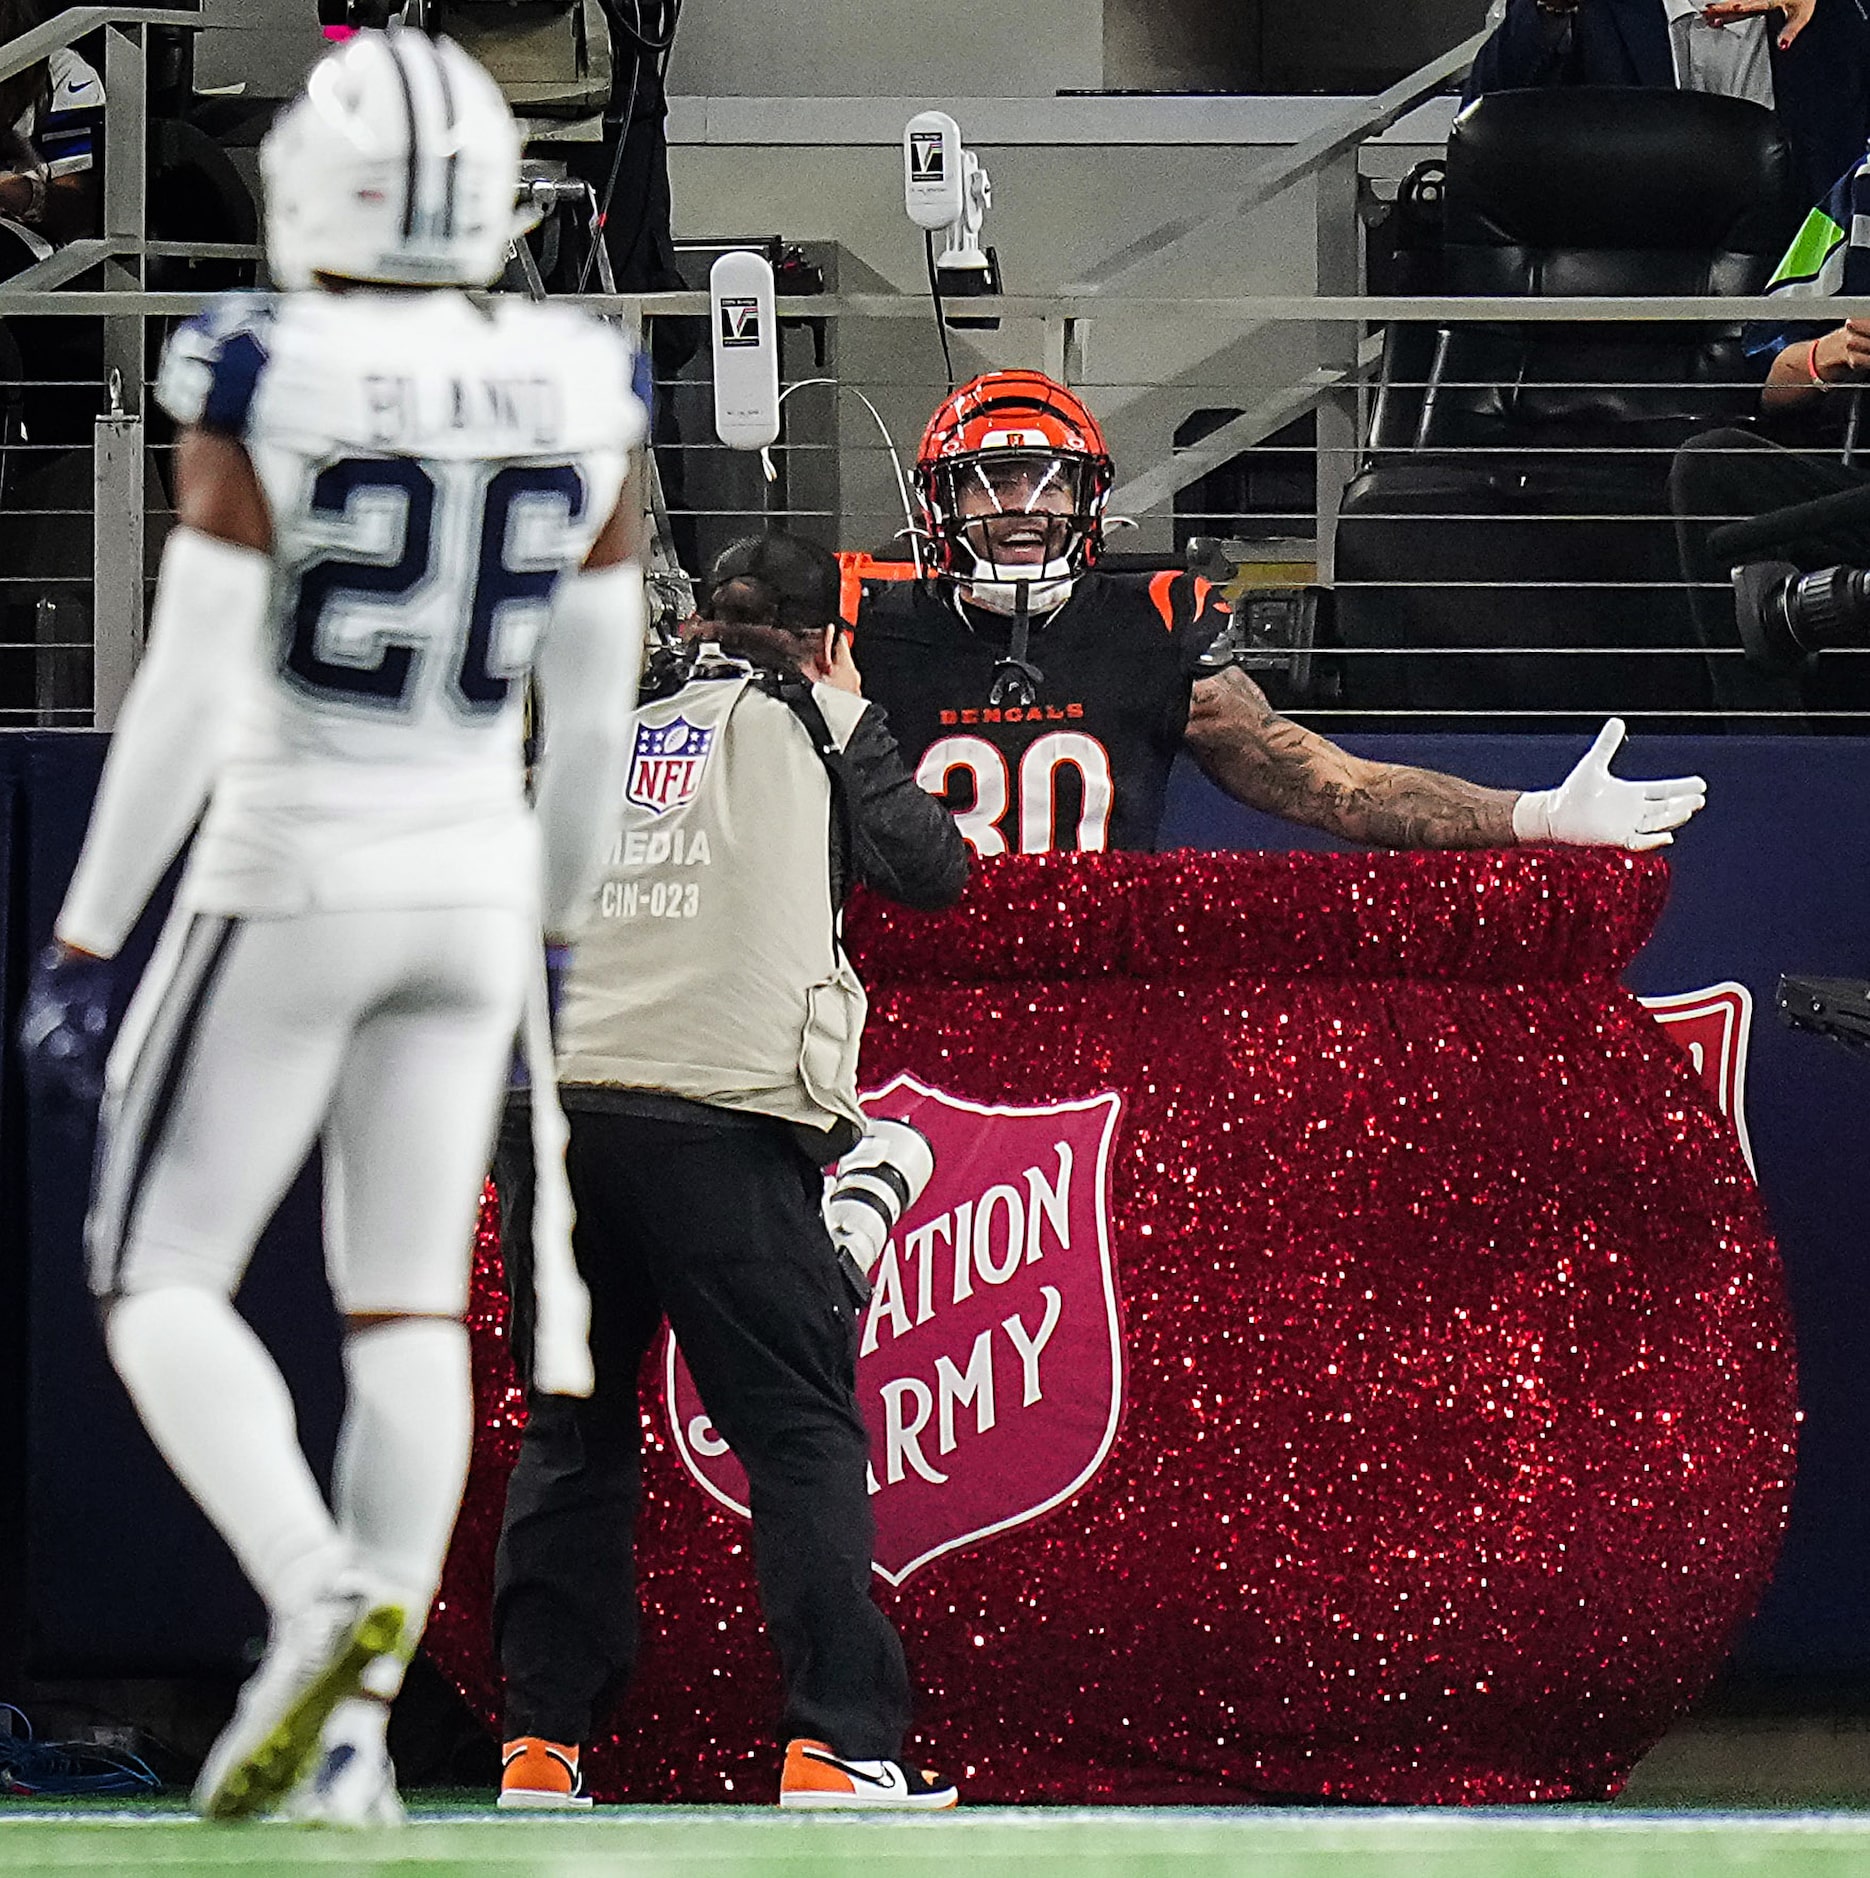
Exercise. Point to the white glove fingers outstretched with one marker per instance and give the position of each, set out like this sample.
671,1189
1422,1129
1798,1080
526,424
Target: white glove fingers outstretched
1669,814
1593,808
1609,741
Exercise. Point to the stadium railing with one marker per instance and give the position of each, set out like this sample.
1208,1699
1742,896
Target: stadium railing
1278,546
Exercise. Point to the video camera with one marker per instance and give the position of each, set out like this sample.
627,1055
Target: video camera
1786,617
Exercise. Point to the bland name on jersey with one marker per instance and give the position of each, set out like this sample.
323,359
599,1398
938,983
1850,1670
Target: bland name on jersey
409,413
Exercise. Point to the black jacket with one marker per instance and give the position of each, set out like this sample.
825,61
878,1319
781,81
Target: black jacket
903,843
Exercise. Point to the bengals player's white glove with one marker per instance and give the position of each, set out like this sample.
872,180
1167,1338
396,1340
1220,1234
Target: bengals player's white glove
1593,809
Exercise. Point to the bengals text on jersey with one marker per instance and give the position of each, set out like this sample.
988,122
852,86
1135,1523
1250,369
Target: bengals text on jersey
1085,766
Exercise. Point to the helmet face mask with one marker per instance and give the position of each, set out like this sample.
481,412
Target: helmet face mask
1012,476
398,165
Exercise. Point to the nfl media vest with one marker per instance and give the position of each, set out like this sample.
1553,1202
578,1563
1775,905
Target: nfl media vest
711,966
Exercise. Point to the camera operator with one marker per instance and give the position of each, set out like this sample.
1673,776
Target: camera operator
1815,370
707,1061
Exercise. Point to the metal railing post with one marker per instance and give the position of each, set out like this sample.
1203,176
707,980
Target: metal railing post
116,559
117,473
1340,272
126,159
1064,349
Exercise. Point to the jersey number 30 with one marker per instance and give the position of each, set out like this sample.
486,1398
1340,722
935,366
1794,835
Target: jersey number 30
384,675
1038,790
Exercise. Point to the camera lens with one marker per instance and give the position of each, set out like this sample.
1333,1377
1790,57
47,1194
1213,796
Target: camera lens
1760,591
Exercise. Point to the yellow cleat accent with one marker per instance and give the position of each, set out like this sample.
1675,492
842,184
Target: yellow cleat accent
259,1782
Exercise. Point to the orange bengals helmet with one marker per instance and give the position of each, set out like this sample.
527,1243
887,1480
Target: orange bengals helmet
1012,476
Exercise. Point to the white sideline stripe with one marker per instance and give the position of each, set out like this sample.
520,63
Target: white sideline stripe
1324,1823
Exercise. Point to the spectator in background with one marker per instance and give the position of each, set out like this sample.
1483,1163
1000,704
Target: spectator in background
1814,371
50,115
1810,67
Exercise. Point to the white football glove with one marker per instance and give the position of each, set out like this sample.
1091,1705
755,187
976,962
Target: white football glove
1593,809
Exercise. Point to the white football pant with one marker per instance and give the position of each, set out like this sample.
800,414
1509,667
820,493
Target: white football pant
386,1035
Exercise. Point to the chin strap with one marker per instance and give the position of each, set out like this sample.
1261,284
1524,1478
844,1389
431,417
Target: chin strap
1016,680
1043,596
1040,590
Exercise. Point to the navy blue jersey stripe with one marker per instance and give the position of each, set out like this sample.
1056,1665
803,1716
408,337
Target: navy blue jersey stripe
164,1106
412,176
448,132
236,376
643,380
147,1144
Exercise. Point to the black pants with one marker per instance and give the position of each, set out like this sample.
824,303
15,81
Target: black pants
718,1229
1729,474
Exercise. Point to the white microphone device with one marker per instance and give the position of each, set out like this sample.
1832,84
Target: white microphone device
746,350
946,192
934,171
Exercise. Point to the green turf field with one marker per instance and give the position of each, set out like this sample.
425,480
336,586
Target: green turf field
623,1842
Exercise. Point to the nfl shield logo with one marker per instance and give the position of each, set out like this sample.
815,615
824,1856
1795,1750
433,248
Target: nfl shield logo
1712,1026
990,1372
666,765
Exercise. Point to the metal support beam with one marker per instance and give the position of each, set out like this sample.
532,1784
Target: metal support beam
63,264
1244,309
126,162
68,27
1314,153
1165,481
116,563
1064,350
1340,272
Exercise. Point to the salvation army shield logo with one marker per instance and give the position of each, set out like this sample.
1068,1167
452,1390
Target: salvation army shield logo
1712,1026
666,762
990,1371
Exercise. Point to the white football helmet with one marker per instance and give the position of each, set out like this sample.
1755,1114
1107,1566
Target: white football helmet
398,164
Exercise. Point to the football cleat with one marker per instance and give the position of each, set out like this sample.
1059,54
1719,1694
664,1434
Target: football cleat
352,1784
817,1780
313,1662
540,1776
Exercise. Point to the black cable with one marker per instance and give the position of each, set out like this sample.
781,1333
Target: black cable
610,183
647,47
635,28
941,316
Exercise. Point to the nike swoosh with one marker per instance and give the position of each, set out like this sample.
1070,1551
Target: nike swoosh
892,1782
336,1761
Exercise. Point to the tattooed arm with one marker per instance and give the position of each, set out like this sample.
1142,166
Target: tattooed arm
1264,760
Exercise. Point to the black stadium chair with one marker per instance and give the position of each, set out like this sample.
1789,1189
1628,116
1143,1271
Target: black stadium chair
1515,491
196,194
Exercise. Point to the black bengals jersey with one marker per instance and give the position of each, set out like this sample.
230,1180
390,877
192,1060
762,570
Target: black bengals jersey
1087,764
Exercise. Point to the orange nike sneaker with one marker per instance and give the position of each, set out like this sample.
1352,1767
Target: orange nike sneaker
816,1779
540,1776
